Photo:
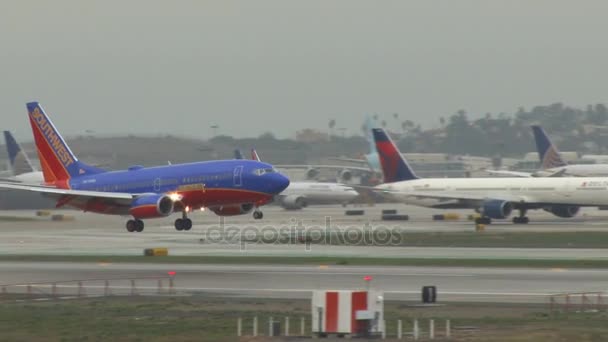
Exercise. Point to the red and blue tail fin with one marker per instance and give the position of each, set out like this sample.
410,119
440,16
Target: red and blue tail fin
254,155
56,159
394,167
547,152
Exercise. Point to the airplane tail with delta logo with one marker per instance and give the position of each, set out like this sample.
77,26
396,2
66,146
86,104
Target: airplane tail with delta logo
56,159
394,167
547,151
18,160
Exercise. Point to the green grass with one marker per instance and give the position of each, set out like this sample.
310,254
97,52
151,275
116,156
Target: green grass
355,261
17,219
214,319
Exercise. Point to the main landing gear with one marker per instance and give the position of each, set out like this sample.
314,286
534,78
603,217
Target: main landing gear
135,226
258,215
183,223
522,218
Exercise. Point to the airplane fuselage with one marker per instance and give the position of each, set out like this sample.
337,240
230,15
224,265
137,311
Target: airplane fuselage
581,191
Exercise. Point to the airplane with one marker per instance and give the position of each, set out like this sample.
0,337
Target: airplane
552,163
226,187
494,198
299,195
21,167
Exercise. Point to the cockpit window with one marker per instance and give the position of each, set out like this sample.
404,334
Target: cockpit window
260,172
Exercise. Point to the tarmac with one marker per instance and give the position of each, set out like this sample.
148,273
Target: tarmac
91,234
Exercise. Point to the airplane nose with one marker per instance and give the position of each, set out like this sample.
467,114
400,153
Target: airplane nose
280,183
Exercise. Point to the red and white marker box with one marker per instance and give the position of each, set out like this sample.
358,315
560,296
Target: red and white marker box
347,312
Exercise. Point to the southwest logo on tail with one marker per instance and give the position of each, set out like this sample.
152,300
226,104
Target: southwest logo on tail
56,159
19,161
547,151
394,167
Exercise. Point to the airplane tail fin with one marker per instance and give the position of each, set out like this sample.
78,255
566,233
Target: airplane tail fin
18,160
547,151
368,125
394,166
254,155
57,160
238,154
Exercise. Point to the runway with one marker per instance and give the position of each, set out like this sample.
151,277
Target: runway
398,283
91,234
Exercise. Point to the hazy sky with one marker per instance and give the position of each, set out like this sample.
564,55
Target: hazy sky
253,66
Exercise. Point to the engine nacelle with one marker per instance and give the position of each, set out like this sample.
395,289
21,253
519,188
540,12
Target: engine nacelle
312,173
564,211
150,206
232,210
497,209
294,202
345,176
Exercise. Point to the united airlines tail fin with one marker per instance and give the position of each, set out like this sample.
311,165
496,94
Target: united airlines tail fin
18,160
56,159
547,152
394,166
254,155
238,154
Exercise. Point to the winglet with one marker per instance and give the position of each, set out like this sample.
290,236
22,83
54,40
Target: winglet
394,166
18,160
547,151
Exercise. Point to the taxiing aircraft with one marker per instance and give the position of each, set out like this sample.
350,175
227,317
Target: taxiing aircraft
21,168
552,163
494,198
226,187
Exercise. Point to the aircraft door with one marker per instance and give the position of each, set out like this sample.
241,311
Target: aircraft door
157,185
238,176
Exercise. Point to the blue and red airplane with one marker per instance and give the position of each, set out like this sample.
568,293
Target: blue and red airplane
227,187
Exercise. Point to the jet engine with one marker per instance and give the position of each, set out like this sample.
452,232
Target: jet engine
497,209
564,211
293,202
150,206
345,176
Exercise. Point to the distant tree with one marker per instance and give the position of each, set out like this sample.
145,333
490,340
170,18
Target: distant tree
267,136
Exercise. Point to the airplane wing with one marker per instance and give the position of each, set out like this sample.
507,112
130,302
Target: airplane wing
349,160
330,167
68,195
510,173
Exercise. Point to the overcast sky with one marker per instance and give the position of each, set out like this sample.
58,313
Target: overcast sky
253,66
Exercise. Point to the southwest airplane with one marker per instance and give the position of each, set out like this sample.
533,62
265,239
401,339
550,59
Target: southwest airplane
21,168
552,164
494,198
227,187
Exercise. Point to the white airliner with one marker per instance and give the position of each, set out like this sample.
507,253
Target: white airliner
494,198
301,194
552,163
21,168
